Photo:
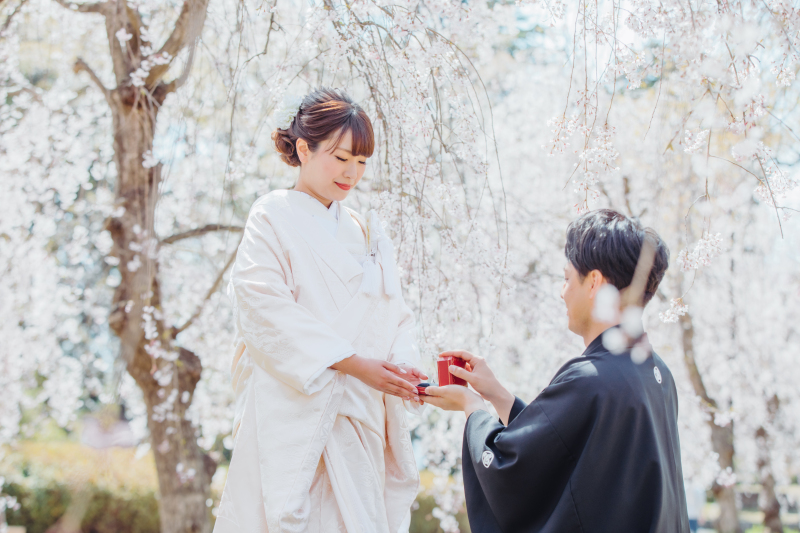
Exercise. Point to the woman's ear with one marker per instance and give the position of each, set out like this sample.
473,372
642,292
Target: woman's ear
303,152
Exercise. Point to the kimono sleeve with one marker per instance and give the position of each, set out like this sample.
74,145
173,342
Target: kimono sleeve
527,461
281,336
405,350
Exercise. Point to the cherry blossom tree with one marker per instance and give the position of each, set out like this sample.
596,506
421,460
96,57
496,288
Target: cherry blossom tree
128,175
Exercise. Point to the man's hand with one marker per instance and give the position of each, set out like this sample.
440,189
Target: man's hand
454,398
480,376
482,379
382,376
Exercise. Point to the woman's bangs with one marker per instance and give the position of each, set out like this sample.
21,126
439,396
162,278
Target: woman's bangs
363,139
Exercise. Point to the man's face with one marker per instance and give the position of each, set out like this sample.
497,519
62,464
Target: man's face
578,295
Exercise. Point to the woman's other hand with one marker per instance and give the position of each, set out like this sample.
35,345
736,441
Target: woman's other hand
382,376
412,374
454,398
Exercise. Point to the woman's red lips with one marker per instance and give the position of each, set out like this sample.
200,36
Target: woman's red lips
343,186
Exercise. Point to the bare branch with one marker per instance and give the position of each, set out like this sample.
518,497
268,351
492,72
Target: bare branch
178,82
187,29
135,18
94,7
199,231
211,291
81,65
7,23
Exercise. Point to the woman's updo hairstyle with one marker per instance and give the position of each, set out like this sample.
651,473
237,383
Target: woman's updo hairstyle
325,112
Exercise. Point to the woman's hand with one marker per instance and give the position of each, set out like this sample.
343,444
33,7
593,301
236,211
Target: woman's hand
482,379
382,376
454,398
412,374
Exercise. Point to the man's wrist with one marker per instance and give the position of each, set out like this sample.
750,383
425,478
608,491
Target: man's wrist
503,403
474,405
500,396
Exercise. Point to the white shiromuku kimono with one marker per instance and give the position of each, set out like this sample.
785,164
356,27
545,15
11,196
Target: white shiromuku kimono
316,450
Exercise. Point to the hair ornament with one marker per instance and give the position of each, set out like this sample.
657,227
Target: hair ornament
284,114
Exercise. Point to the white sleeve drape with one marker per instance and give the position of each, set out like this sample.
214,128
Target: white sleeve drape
281,336
405,350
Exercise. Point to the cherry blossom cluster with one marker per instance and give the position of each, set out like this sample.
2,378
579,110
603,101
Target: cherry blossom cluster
676,310
475,209
701,255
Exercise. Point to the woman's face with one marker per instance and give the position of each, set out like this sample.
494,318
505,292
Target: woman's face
331,172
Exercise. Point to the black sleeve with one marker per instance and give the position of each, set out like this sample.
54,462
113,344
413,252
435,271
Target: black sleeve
516,409
524,469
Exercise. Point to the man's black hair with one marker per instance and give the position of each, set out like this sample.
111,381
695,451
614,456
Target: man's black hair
610,242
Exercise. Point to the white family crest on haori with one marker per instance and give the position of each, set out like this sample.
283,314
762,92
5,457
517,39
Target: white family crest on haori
487,458
316,450
657,373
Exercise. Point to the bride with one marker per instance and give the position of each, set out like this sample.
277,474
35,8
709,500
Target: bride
325,361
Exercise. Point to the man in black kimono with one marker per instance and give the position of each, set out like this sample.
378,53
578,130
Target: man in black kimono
597,450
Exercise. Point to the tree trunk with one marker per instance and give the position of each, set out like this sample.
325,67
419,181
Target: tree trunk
768,500
167,375
721,436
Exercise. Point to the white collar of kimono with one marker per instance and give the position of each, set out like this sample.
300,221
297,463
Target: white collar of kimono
327,217
379,246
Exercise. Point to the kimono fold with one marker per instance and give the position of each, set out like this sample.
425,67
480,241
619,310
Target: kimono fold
316,450
596,451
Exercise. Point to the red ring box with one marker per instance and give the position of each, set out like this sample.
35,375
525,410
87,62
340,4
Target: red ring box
421,389
445,377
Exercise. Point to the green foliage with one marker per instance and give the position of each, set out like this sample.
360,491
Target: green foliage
113,490
423,521
41,507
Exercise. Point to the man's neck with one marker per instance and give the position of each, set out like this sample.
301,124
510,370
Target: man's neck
594,330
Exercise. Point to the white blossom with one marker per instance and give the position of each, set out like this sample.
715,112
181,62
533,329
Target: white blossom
676,309
701,255
123,36
695,141
284,114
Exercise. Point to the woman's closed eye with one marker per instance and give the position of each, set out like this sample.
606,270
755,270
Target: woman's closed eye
343,160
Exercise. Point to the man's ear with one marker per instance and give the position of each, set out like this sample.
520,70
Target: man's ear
597,281
303,152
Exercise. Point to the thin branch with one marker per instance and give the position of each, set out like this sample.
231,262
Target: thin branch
784,125
81,65
187,29
17,9
178,82
778,22
772,195
736,164
94,7
199,231
765,181
660,83
136,20
217,282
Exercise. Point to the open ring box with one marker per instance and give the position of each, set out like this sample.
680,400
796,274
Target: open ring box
445,377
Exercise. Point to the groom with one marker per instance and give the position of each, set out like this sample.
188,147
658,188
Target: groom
597,450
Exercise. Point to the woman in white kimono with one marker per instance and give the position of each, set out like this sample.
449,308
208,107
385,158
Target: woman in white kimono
325,361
